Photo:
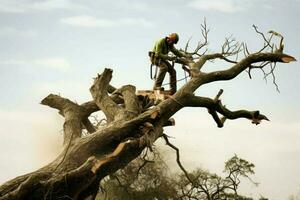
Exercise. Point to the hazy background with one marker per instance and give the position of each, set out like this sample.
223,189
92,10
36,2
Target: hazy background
57,46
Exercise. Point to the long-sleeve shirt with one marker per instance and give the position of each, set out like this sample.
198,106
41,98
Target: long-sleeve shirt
162,48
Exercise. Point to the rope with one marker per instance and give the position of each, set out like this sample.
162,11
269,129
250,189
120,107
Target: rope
176,81
185,76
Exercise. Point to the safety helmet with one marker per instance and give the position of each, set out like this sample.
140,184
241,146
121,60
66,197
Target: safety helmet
174,37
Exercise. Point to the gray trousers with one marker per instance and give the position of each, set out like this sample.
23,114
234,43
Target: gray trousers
164,67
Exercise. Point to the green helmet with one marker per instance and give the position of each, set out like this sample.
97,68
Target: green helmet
174,37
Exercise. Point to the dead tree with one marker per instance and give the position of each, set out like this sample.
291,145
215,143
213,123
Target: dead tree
134,122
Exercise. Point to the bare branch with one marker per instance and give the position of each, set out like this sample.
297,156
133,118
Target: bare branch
204,32
267,42
231,47
244,64
178,158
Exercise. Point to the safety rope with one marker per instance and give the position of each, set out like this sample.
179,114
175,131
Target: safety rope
184,78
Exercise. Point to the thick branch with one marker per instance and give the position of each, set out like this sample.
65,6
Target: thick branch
91,107
72,113
131,102
216,106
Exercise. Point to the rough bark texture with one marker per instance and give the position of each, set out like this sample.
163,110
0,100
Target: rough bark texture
133,123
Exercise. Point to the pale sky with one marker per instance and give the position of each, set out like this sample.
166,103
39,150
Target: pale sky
57,46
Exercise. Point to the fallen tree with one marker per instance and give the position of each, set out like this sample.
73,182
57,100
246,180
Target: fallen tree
135,122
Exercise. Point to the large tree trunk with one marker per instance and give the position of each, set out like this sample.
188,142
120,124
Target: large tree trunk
133,123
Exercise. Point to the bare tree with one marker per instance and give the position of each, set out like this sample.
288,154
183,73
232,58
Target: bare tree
134,122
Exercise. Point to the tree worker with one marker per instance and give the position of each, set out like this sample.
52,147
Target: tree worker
159,57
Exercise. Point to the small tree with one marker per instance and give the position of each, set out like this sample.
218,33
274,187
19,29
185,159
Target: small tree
206,185
238,168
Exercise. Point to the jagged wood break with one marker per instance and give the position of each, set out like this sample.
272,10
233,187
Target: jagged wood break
133,122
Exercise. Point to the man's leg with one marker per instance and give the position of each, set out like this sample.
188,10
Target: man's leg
163,68
173,80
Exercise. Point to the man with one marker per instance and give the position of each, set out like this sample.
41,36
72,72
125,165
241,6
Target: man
159,57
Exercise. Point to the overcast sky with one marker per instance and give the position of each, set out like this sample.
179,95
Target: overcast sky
57,46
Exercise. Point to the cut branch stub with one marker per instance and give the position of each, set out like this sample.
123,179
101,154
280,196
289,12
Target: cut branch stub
217,119
257,117
56,101
100,95
218,95
287,59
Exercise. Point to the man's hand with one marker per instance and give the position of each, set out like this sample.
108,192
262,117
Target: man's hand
175,59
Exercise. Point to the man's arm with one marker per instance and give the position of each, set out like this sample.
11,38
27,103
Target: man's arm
177,52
